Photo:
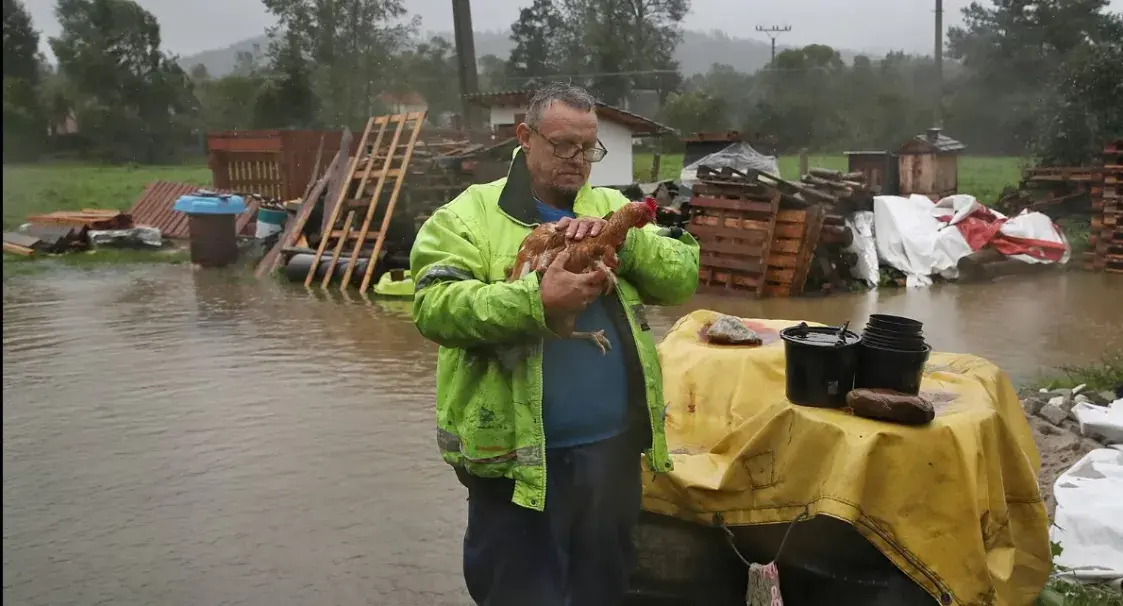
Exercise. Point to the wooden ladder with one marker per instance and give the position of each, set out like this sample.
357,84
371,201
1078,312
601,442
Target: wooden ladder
393,157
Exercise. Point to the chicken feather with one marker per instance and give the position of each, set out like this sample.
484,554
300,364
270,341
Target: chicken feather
543,244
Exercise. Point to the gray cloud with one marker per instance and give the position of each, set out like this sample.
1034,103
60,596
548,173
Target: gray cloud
191,26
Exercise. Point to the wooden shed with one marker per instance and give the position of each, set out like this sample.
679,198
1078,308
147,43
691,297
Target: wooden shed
929,165
270,163
879,167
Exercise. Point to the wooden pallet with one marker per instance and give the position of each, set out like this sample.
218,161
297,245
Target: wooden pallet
734,224
381,160
793,247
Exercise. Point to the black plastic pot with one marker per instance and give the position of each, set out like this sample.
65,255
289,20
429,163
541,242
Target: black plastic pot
896,323
881,333
895,344
888,368
820,367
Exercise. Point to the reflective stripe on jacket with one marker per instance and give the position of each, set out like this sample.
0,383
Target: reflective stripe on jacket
490,331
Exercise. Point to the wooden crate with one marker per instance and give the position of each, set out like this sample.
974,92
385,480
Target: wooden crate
793,246
734,223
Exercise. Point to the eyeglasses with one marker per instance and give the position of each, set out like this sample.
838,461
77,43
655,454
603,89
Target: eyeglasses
569,151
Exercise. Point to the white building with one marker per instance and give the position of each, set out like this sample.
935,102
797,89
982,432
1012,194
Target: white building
617,130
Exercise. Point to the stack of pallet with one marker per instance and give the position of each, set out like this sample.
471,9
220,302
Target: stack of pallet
1106,238
749,244
1056,191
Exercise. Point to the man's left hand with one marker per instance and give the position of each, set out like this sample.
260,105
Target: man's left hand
577,229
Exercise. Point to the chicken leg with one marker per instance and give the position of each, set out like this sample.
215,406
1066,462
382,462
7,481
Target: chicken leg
564,328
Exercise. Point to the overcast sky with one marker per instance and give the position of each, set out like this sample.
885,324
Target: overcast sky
191,26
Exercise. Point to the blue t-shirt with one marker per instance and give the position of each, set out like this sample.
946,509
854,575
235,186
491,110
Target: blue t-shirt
584,394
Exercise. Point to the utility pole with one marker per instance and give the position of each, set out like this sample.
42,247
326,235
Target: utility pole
772,32
937,111
465,58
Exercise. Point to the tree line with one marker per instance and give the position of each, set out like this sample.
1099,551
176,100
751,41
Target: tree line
1038,77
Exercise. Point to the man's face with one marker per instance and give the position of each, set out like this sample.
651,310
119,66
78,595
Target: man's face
561,131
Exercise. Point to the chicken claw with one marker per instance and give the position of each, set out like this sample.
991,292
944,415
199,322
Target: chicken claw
597,338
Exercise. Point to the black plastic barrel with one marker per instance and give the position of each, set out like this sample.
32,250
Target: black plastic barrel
820,364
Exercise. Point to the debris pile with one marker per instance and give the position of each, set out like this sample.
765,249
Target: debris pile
1065,428
732,212
1057,191
64,231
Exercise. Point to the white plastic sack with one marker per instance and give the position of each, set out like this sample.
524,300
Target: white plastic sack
1104,423
1089,518
738,156
867,268
1030,237
912,239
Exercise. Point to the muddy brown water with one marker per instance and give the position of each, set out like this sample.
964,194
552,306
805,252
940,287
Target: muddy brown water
180,437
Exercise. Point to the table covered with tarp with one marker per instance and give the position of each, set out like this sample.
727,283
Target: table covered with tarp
954,505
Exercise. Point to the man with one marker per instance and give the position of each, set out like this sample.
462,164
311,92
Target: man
546,433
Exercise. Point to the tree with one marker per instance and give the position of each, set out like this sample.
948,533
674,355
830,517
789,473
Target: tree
1012,51
286,99
692,112
24,123
350,42
130,97
429,69
493,73
537,35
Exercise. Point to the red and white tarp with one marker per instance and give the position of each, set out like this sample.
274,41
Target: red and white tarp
922,238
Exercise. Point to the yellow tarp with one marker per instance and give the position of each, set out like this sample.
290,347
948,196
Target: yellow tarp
955,504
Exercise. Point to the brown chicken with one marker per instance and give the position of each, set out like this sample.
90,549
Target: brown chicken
542,245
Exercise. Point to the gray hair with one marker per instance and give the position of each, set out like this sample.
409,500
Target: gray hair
572,96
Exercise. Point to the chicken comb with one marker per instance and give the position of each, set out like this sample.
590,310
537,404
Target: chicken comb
651,205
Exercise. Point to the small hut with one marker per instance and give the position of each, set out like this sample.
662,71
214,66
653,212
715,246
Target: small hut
879,167
929,165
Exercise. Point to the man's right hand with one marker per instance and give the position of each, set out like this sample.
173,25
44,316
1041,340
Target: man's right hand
564,292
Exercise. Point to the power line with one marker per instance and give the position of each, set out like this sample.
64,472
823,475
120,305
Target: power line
772,32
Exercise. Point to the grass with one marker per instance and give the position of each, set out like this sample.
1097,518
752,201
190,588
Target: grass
1102,375
43,188
1062,592
982,177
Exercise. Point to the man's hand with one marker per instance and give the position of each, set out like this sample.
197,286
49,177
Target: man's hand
576,229
564,292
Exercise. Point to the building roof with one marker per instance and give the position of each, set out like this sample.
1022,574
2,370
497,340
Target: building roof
520,98
932,141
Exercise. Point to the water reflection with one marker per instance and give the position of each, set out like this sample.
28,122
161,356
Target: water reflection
182,437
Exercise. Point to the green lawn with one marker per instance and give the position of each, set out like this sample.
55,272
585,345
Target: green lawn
43,188
982,177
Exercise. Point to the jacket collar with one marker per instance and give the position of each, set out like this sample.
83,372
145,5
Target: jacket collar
517,199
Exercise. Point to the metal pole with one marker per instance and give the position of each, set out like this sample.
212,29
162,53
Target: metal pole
772,32
465,58
937,112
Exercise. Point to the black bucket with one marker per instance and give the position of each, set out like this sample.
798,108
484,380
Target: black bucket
888,368
820,364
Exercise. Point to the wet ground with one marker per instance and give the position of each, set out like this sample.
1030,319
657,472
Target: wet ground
180,437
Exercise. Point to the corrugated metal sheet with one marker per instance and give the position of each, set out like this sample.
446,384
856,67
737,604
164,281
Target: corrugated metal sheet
154,209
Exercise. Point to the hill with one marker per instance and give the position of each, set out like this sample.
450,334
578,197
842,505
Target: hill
695,54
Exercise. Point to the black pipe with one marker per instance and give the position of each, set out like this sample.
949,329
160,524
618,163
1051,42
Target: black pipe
297,268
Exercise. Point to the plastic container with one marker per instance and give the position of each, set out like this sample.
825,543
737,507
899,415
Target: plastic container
820,369
896,323
269,222
888,368
211,225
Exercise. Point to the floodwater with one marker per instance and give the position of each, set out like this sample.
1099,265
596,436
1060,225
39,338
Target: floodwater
186,438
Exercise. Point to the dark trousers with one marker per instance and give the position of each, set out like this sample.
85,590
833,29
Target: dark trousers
577,552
